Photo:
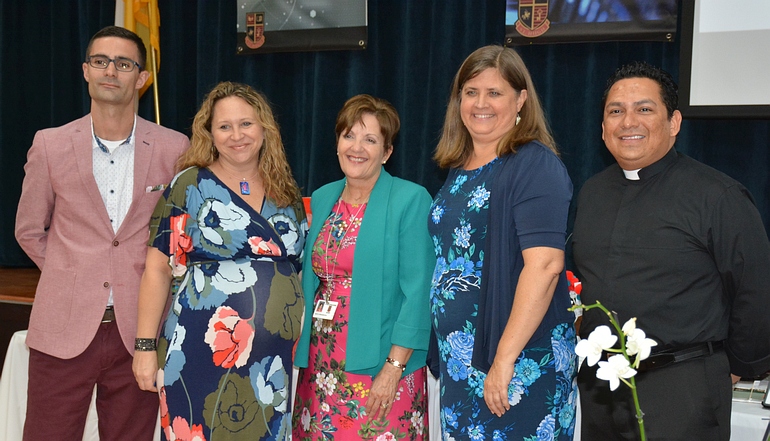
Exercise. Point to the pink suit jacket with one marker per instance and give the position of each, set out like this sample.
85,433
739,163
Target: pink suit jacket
63,226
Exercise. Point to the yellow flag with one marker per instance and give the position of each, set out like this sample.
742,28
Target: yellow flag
142,17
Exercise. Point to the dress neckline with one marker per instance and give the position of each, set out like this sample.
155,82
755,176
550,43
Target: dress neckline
236,195
480,168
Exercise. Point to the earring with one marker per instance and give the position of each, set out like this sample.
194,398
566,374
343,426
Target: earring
518,119
383,162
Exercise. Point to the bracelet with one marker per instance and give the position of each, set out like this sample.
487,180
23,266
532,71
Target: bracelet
145,344
396,363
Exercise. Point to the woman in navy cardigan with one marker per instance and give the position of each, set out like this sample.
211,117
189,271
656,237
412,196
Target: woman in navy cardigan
499,297
366,278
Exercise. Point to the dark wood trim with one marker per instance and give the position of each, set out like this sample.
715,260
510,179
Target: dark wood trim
17,285
17,291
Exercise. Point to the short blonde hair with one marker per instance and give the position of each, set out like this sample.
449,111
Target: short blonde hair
273,166
456,145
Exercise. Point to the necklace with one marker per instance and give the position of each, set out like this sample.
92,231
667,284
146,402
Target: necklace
245,190
244,183
340,236
354,200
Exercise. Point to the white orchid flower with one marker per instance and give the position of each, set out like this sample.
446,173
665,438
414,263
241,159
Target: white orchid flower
637,341
618,367
598,340
615,368
629,326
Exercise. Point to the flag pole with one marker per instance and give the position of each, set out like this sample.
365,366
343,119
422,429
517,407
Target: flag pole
155,86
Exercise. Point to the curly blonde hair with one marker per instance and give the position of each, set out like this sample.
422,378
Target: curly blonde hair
274,169
455,146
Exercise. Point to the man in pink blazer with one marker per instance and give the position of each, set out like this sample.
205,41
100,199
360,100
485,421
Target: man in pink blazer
89,190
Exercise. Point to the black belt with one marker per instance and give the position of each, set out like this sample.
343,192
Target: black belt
675,355
109,315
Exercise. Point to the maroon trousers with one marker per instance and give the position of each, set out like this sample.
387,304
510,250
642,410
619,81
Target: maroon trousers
59,393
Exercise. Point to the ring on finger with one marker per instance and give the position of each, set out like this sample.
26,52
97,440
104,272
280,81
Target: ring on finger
384,405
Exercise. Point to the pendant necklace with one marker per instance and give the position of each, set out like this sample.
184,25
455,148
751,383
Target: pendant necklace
245,190
244,183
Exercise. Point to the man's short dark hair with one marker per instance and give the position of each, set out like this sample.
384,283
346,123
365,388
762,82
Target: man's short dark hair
640,69
116,31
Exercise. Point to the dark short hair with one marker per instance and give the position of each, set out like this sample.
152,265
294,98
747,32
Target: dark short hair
354,110
116,31
641,69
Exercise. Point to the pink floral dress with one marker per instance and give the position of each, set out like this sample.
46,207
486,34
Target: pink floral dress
330,403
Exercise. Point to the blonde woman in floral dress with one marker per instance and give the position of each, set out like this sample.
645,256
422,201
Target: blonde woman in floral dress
227,236
366,285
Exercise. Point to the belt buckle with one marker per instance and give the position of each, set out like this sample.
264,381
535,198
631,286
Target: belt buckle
656,361
109,315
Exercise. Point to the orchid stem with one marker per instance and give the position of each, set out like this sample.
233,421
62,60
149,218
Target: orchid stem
639,413
622,338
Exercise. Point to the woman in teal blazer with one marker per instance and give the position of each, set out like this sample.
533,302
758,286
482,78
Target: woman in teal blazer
364,366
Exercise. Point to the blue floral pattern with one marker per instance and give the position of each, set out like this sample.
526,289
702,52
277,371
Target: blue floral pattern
542,393
226,347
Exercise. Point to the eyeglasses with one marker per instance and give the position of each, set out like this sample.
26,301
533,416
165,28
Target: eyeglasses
121,64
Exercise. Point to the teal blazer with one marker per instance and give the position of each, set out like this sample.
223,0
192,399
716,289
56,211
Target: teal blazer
393,265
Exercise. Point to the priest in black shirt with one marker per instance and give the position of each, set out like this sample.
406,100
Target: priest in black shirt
681,247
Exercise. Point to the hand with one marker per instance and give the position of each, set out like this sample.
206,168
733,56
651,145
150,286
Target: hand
735,378
496,387
383,392
145,367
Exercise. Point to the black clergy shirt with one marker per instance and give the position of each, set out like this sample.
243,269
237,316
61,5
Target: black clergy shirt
684,250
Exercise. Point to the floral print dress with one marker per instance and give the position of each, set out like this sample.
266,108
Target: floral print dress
225,347
330,402
542,393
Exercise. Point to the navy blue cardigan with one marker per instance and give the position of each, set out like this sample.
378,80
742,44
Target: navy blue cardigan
534,176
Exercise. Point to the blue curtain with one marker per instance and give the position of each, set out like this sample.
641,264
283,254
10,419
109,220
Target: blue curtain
414,50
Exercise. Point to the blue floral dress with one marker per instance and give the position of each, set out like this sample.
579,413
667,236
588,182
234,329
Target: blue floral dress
225,349
542,393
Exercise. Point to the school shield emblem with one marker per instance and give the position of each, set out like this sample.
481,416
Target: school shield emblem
255,29
533,18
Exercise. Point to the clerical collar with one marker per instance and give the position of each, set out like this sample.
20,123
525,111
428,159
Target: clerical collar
657,167
632,175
